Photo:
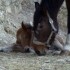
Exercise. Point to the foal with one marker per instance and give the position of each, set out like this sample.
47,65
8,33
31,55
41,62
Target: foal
24,42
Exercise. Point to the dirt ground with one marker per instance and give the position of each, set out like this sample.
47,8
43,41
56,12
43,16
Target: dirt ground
29,61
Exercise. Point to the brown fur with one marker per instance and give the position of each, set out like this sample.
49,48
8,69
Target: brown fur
24,42
23,36
24,39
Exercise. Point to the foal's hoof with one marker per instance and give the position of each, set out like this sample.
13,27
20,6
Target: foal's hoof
1,50
42,53
27,50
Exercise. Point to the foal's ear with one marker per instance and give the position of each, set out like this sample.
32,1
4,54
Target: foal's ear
36,5
23,26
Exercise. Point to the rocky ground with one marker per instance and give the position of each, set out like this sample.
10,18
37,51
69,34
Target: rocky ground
12,13
20,61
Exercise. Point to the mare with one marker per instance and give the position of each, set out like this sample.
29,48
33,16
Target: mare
45,21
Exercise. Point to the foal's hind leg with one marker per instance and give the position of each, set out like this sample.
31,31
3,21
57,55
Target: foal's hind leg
7,48
12,48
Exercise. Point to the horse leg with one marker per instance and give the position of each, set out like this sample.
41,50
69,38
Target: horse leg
53,7
67,45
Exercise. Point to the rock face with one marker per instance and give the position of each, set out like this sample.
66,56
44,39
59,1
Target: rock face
13,12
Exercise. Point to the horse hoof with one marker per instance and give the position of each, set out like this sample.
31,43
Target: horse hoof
65,53
67,47
27,50
66,50
42,53
1,50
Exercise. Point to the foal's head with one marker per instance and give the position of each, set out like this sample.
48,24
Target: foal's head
42,27
24,35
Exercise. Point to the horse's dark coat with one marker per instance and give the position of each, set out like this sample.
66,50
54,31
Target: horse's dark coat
68,11
50,7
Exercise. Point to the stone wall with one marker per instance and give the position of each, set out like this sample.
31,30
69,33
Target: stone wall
12,13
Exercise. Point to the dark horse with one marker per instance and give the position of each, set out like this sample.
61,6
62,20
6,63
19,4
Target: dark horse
45,20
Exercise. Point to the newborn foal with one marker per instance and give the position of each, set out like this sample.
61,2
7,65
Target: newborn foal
25,42
25,37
